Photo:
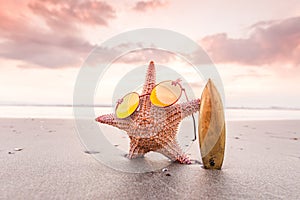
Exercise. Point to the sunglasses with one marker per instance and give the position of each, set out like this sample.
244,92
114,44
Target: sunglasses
164,94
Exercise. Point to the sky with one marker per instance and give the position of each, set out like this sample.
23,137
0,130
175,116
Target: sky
255,45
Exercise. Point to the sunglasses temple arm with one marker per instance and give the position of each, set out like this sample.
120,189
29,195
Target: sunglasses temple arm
194,123
195,136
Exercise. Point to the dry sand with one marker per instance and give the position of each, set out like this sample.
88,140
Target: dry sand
262,162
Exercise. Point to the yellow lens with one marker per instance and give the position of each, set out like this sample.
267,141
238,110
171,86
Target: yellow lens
165,94
128,105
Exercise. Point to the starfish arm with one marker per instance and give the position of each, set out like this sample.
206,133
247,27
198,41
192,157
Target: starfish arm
173,151
189,107
112,120
135,150
150,79
149,84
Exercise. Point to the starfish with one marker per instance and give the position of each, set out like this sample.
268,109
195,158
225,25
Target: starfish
152,128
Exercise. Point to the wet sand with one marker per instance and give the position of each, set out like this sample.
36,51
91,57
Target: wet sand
262,161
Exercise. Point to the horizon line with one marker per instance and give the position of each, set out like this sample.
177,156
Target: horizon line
109,106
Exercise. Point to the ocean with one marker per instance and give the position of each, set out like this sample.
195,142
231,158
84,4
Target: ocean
66,112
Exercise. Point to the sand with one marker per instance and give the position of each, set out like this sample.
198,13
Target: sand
262,161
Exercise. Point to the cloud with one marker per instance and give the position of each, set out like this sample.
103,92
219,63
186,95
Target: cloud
145,55
47,33
269,42
146,5
138,56
52,53
62,14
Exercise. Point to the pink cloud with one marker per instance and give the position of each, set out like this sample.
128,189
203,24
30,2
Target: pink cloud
59,45
136,57
146,5
147,54
73,11
270,42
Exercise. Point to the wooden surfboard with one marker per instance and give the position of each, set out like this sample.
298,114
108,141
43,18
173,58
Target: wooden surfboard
211,127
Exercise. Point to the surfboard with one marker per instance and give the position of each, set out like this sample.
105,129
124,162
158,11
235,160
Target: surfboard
211,127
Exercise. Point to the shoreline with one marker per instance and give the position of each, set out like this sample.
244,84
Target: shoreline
68,113
73,119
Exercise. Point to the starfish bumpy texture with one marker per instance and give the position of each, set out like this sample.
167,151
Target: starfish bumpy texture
152,128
